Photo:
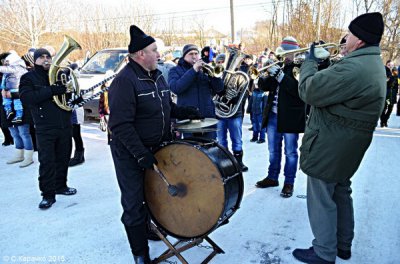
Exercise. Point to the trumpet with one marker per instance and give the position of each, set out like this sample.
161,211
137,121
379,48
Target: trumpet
333,48
211,71
254,73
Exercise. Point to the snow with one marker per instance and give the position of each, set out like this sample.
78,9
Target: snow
86,228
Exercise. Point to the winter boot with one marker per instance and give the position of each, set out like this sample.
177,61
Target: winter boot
8,140
18,156
27,159
138,243
239,156
78,158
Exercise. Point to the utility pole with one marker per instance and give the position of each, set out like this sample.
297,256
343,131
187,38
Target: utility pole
232,22
318,21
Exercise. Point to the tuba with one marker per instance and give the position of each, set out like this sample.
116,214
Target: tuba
235,85
64,74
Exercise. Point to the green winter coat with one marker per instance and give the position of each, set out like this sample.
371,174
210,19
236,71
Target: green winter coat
346,101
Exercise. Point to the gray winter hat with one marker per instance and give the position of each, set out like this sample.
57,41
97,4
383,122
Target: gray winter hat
187,48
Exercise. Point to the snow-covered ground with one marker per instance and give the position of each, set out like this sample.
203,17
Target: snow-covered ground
86,228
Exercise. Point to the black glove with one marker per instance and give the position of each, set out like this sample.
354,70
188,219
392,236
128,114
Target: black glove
311,54
187,112
193,113
77,100
147,160
57,89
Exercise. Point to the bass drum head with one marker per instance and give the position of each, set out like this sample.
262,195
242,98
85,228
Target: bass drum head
200,203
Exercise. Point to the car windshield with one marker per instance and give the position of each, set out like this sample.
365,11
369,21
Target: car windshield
103,61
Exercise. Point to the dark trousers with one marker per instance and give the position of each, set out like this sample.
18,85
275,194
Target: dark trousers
130,178
387,110
7,135
54,148
76,134
33,136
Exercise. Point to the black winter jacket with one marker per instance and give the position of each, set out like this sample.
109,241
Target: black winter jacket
36,94
140,109
291,109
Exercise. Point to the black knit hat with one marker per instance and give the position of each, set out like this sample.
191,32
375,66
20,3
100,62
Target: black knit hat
368,27
40,52
139,40
187,48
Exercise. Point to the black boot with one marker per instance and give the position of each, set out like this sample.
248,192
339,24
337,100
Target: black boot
78,158
142,259
138,243
239,156
8,140
47,202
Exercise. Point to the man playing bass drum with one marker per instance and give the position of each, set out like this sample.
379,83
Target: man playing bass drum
140,112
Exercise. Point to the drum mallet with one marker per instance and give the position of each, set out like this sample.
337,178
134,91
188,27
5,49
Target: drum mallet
172,189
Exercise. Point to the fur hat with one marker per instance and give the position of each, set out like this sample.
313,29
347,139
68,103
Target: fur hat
368,27
139,40
187,48
289,43
40,52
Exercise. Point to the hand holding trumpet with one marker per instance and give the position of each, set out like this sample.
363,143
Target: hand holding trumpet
197,65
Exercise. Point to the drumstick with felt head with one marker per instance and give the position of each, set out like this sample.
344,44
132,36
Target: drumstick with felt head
172,189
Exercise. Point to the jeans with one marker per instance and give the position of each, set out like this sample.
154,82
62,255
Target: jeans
275,151
234,126
22,137
8,102
256,121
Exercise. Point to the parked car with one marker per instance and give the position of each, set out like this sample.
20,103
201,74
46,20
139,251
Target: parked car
94,71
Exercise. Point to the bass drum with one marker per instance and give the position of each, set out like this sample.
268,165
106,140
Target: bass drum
210,186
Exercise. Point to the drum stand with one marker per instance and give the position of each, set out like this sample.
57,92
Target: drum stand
176,249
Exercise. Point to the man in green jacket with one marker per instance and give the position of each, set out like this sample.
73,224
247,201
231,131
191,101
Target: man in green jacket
346,101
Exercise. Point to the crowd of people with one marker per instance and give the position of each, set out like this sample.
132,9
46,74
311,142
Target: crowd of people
335,108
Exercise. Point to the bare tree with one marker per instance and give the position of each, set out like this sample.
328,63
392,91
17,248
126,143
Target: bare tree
390,43
25,21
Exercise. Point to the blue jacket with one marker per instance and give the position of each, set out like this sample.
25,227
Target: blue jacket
194,88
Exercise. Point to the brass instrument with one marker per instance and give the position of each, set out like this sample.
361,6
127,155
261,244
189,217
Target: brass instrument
73,97
254,73
235,84
335,50
64,74
211,71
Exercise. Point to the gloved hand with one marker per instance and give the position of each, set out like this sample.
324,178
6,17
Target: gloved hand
187,112
276,72
77,100
311,54
58,89
147,160
193,113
